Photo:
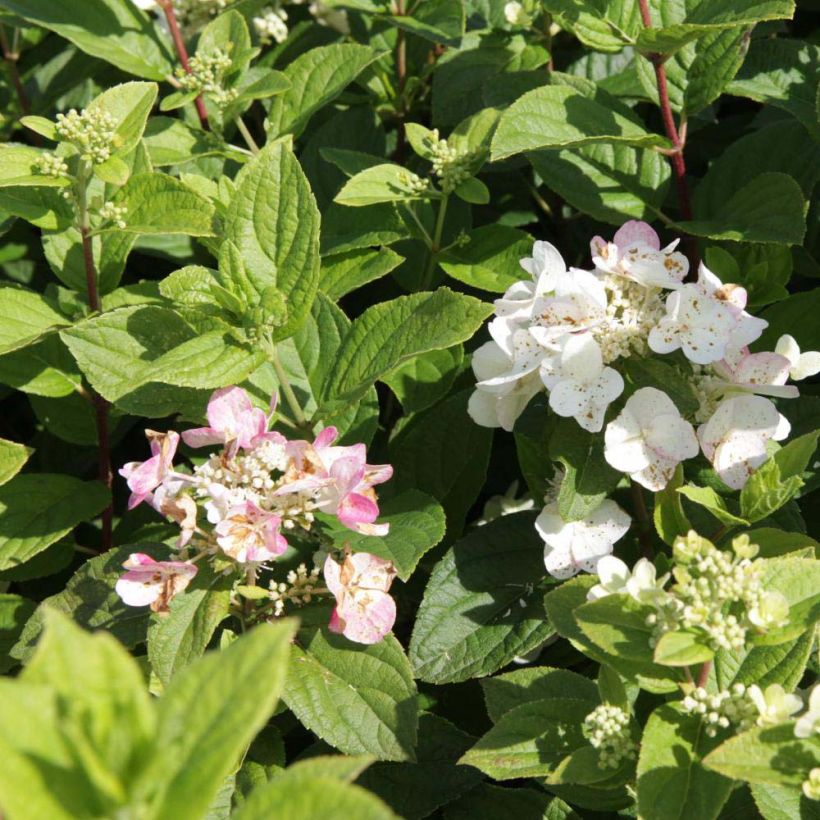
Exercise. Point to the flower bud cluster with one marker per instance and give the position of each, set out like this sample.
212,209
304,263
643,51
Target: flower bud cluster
728,707
270,25
811,787
52,165
109,212
717,592
207,76
299,589
91,131
450,164
607,729
414,182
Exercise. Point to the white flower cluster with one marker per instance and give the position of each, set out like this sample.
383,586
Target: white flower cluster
607,729
109,212
270,25
91,131
567,331
728,707
207,76
191,14
298,590
52,165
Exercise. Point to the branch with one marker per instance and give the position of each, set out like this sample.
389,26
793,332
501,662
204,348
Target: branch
644,524
170,15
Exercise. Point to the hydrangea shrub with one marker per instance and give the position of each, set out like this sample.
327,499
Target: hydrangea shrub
409,409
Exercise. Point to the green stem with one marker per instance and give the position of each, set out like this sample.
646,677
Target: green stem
246,135
287,390
436,246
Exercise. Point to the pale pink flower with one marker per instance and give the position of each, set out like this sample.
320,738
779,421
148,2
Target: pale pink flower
250,534
706,320
734,439
364,612
635,252
144,477
181,509
234,422
153,583
762,373
572,546
340,480
649,438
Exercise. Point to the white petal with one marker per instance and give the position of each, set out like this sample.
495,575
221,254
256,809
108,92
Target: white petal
138,593
482,408
569,398
612,571
559,563
787,346
581,358
807,365
738,455
672,437
624,447
554,531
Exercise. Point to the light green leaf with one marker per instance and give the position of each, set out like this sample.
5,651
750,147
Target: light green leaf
390,333
171,142
479,609
617,624
490,259
380,183
182,635
602,26
360,699
783,802
38,509
18,167
209,714
767,755
12,458
416,525
316,78
158,203
682,648
441,452
112,30
27,316
558,116
708,498
274,222
673,784
531,739
44,207
342,273
425,379
798,580
667,513
129,105
14,612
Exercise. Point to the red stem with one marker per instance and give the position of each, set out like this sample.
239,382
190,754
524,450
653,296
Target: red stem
703,677
676,159
100,404
182,53
401,74
11,57
644,525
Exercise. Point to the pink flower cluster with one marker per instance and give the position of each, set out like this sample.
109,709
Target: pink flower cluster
239,503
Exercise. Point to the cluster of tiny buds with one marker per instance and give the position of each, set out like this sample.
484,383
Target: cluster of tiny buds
110,212
414,182
728,707
91,131
607,729
52,165
298,590
811,786
206,76
270,25
450,164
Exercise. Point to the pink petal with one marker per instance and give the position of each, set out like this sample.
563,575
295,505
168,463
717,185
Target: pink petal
368,616
332,572
635,231
202,437
326,437
335,624
357,509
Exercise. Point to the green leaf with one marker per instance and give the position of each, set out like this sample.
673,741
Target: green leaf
783,802
668,515
380,183
798,580
325,691
417,789
27,316
18,167
531,739
441,452
114,31
42,126
673,784
424,380
505,692
479,609
261,83
764,665
12,458
769,208
602,26
617,624
489,260
767,755
663,376
177,638
172,142
682,648
342,273
158,203
299,798
390,333
89,598
708,498
316,78
44,207
209,714
38,509
440,21
416,525
706,18
474,191
783,73
128,105
345,229
557,116
496,803
14,612
274,222
588,479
